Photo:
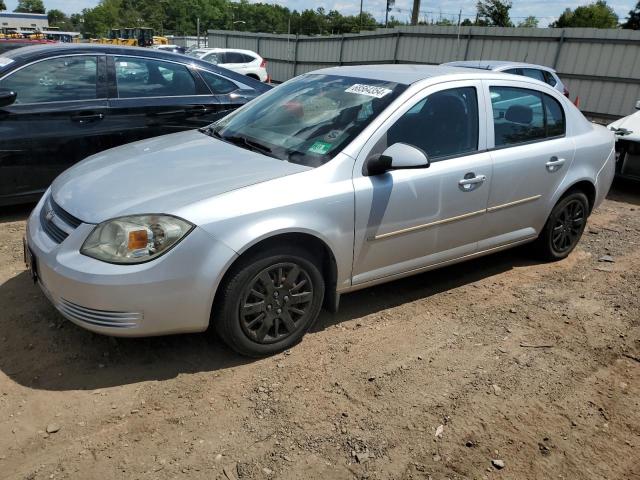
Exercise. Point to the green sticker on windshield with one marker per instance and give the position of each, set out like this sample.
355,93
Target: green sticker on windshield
320,147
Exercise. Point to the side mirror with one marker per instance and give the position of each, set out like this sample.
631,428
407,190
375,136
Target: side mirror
638,105
7,97
399,156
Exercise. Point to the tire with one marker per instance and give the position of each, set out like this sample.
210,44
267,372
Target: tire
255,314
564,227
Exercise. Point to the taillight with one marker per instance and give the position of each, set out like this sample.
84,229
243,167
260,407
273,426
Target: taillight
566,92
263,64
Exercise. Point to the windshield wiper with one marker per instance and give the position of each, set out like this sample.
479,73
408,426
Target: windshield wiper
240,141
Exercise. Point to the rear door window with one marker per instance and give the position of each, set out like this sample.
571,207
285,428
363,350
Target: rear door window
55,80
143,77
234,57
522,115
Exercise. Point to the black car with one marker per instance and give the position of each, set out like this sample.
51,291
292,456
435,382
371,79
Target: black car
61,103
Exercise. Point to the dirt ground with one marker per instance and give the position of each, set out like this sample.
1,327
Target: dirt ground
431,377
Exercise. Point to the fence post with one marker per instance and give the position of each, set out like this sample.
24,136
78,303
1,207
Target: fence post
258,45
341,48
466,48
396,46
295,56
560,43
226,41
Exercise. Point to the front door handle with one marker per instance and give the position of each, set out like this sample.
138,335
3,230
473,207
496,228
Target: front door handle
471,181
554,164
87,117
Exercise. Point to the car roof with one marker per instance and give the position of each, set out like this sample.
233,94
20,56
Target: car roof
24,55
495,64
404,73
216,49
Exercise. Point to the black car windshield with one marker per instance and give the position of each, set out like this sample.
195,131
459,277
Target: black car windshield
309,119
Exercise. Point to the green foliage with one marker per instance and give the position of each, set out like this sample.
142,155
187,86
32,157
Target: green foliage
30,6
2,5
179,17
633,21
594,15
494,13
529,22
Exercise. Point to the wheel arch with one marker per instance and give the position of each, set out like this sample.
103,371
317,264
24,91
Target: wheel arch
312,243
253,75
585,186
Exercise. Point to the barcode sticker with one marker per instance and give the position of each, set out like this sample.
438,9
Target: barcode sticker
369,90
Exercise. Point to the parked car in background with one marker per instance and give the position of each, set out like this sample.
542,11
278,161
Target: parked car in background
538,72
170,48
61,103
627,131
13,43
245,62
332,182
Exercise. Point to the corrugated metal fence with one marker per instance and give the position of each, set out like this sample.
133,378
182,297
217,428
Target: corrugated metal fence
601,67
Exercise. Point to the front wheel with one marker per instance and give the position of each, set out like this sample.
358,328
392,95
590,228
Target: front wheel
564,227
269,302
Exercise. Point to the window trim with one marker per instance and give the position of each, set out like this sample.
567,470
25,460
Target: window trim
525,85
98,98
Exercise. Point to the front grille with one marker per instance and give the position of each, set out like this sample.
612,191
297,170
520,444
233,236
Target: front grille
56,222
100,318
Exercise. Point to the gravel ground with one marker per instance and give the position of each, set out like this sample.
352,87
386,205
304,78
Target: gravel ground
501,367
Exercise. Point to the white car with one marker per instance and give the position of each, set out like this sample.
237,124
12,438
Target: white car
539,72
627,130
245,62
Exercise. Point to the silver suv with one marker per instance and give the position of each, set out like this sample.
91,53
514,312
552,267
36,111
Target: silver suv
334,181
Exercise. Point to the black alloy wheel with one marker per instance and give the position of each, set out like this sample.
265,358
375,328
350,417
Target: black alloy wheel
276,303
569,224
564,227
269,300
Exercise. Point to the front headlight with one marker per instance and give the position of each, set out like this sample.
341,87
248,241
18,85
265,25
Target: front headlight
134,239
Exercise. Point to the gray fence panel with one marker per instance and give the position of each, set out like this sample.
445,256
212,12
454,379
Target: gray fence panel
601,67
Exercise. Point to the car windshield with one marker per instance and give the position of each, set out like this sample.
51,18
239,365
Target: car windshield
307,120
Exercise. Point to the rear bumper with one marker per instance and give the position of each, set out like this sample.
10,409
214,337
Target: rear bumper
172,294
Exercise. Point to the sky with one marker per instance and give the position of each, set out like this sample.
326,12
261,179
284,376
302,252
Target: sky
545,10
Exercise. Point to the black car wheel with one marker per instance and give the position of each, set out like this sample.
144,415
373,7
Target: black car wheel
269,301
564,227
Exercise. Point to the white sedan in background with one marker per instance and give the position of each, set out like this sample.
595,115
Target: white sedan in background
245,62
627,130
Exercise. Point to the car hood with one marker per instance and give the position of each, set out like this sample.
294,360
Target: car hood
631,123
161,175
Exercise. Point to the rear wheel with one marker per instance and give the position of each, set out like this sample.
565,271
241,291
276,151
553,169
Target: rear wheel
269,302
564,227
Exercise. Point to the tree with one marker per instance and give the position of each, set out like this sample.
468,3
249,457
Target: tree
494,13
30,6
56,17
633,20
2,5
530,22
594,15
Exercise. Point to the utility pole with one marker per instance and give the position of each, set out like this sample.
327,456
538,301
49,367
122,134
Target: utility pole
198,30
361,14
415,12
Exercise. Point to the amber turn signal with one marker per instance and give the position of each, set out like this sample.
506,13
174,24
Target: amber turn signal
138,239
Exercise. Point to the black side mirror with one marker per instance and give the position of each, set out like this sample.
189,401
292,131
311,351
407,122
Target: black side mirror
399,156
7,97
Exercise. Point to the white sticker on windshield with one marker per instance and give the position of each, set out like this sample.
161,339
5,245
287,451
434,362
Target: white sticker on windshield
4,61
369,90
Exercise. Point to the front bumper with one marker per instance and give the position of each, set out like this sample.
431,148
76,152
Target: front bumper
171,294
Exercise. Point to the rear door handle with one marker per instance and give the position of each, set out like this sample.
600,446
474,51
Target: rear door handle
471,181
87,117
554,164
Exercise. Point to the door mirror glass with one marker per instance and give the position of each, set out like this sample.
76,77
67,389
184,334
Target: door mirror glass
7,97
638,105
399,156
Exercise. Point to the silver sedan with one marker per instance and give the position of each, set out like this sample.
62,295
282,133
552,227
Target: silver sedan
334,181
